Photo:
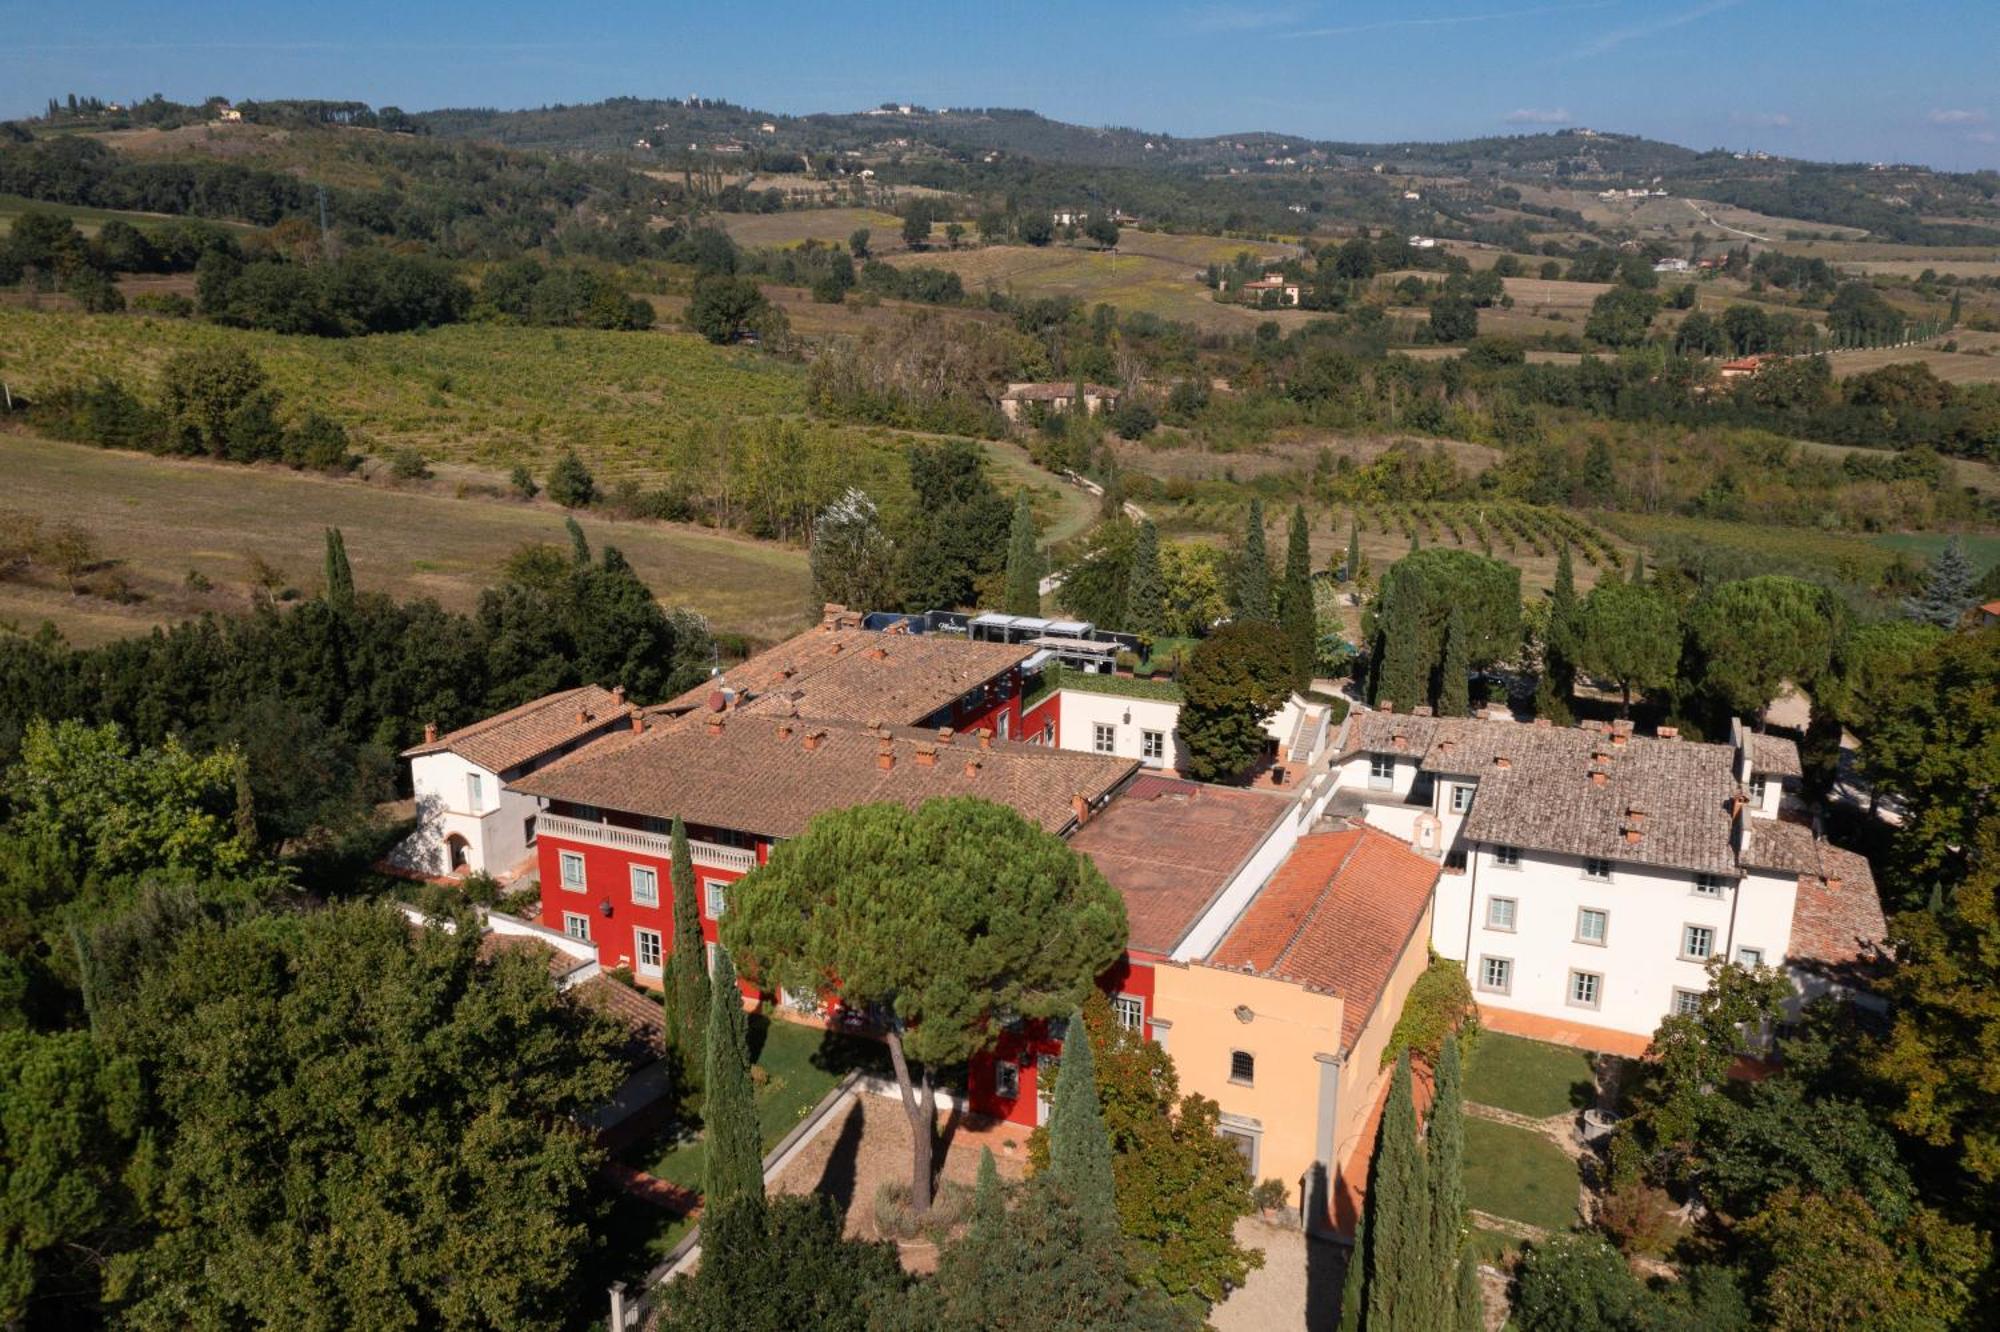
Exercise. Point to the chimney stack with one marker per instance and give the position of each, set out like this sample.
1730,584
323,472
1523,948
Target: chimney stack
638,720
1668,732
1387,705
885,760
813,739
926,756
715,726
1421,710
1632,834
972,767
430,733
1598,776
582,716
785,729
878,653
944,735
1081,808
1502,761
986,737
618,694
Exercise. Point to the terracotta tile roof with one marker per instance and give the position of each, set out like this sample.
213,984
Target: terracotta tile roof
559,963
758,776
1537,789
1339,914
637,1012
1170,847
1837,917
859,675
1774,755
518,735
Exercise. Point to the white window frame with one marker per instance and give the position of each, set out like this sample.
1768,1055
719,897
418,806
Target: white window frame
475,792
1104,737
1749,957
1711,886
580,881
1006,1079
1130,1011
1603,926
1592,981
1507,857
576,925
1505,985
1758,788
1461,799
1381,772
1153,746
1513,914
651,896
1236,1080
1597,869
658,965
1685,1003
715,897
1687,939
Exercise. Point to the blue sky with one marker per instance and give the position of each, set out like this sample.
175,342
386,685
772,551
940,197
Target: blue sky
1907,80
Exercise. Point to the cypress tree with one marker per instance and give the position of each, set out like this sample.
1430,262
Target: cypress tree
579,545
1295,600
989,1204
1455,678
733,1163
1401,675
1444,1162
339,577
1401,1276
1024,562
1559,652
1469,1302
1352,573
1079,1146
1638,574
1253,570
1145,590
687,988
1354,1282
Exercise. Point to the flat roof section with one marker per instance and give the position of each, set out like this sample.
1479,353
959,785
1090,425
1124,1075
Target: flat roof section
1171,846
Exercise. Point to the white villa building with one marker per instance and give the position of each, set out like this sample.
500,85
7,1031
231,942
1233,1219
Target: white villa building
468,820
1591,873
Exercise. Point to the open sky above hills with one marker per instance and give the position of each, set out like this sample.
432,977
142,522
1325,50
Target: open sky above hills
1905,80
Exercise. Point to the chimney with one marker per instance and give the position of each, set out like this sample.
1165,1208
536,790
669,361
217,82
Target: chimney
638,720
1544,723
1600,753
972,766
834,651
1667,732
986,737
878,653
944,735
1081,808
785,729
618,695
1446,746
1833,885
1401,741
1599,776
926,756
1421,710
1736,804
1618,738
813,739
1635,812
885,760
715,726
1502,761
1387,705
430,733
830,613
1632,834
582,716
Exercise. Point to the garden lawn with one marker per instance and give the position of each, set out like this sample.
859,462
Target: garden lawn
793,1068
1529,1077
1519,1174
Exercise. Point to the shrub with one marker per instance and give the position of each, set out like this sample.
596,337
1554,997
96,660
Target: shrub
571,484
523,481
170,304
1134,420
1438,1004
894,1220
1639,1218
408,464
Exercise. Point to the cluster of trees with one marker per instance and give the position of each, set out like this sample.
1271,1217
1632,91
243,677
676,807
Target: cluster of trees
368,291
45,250
524,291
953,549
215,402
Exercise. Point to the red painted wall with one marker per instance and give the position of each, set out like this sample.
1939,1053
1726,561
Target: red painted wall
1002,697
608,875
1047,712
1131,974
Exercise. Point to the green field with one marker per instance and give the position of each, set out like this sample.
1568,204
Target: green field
1530,1078
826,225
1982,548
1519,1174
1856,559
161,518
87,220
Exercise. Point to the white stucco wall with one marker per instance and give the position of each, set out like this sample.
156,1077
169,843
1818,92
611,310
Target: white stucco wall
1083,712
494,828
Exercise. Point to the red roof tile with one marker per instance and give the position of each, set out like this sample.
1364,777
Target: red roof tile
1339,914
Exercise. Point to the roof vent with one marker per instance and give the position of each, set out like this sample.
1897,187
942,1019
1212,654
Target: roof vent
1422,710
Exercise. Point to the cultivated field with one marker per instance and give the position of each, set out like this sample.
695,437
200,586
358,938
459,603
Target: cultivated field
1151,273
826,225
162,518
1958,367
88,220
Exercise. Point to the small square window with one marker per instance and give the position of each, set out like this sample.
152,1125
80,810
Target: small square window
645,886
1103,737
576,925
1496,975
1749,957
1381,772
1697,942
1242,1067
1461,799
1006,1079
1584,989
1153,745
1687,1003
1130,1011
1708,885
1500,913
717,892
1507,857
1597,870
572,871
1591,925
